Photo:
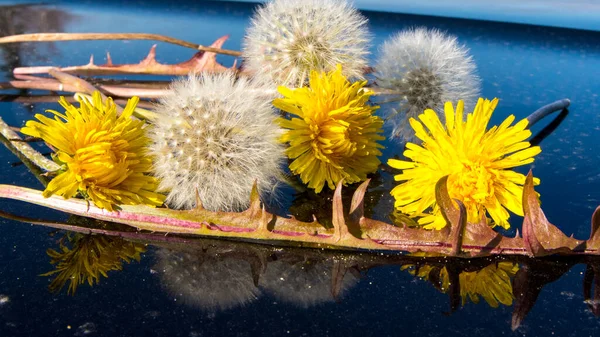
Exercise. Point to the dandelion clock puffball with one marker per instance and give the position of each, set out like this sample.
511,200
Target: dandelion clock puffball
289,38
216,134
424,68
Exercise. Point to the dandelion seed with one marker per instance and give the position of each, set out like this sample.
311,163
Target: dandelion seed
424,68
288,39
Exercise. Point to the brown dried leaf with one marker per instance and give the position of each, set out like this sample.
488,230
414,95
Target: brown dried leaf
540,237
357,207
594,242
337,217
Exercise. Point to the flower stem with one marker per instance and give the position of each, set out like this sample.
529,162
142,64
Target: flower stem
544,111
49,37
25,152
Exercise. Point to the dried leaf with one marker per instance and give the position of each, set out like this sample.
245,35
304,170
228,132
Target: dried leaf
594,242
540,236
201,62
337,217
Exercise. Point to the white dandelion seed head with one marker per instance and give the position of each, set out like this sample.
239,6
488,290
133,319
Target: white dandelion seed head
289,38
208,283
216,134
424,68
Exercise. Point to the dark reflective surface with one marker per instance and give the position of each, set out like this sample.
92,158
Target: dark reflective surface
215,277
24,19
220,288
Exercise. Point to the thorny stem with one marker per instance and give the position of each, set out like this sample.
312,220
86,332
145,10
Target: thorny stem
539,237
49,37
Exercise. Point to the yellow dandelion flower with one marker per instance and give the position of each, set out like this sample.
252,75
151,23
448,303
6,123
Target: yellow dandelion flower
103,154
477,160
335,133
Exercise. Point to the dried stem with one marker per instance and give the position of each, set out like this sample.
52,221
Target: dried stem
79,84
50,37
25,150
36,171
54,98
111,90
124,90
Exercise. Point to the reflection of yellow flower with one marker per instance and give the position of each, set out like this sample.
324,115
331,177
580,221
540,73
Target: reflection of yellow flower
90,257
335,135
477,162
492,283
103,153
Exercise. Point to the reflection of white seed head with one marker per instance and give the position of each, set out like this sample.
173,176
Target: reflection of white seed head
217,134
206,282
424,69
303,283
289,38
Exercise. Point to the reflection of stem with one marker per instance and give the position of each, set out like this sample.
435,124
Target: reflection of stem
135,236
47,37
591,288
454,291
548,129
22,149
